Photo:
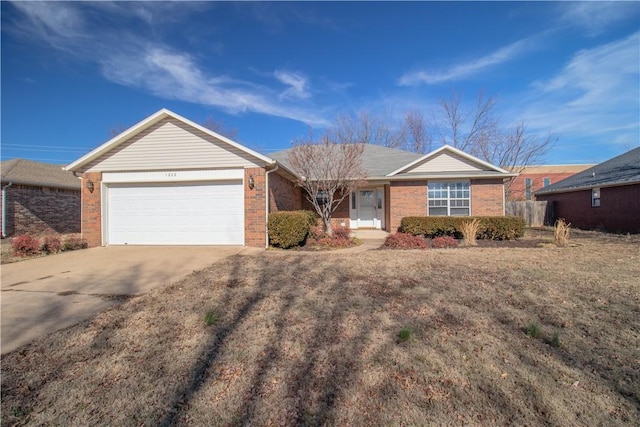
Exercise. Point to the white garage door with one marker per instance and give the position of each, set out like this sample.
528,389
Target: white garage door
209,213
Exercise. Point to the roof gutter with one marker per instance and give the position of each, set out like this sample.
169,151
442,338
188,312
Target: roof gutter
266,208
4,209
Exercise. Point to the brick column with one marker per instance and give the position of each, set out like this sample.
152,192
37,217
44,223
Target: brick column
255,223
408,198
92,209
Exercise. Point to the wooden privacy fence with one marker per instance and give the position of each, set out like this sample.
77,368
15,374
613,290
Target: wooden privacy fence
535,214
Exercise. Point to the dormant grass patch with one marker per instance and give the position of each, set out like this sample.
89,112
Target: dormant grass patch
317,339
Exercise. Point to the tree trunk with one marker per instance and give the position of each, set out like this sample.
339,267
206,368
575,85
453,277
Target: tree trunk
327,226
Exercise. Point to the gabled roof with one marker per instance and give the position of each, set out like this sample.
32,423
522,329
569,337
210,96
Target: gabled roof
28,172
621,170
455,151
377,160
148,122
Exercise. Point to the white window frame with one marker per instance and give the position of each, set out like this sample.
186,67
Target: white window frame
448,199
528,189
595,197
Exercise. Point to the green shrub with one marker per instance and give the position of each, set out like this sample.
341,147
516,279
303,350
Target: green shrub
72,243
289,228
491,227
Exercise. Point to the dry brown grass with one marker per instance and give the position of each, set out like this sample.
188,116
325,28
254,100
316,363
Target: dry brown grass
561,233
312,339
469,231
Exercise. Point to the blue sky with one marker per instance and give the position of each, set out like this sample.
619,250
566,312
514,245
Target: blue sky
73,71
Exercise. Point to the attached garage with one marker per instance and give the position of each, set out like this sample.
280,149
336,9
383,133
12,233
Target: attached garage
199,213
170,181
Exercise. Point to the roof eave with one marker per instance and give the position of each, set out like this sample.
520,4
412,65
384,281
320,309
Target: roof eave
586,187
149,121
453,150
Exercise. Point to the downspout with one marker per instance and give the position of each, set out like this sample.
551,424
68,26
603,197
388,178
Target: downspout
266,210
4,209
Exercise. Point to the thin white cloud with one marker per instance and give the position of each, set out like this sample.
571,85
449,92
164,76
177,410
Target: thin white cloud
298,85
596,94
467,69
151,65
596,16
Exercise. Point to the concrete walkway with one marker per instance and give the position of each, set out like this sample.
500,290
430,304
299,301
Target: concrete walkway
371,239
43,295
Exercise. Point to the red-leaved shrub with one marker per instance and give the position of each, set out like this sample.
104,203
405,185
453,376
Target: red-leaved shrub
444,242
404,241
25,245
341,233
318,238
51,244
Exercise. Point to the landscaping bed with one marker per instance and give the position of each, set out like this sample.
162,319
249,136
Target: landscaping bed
487,336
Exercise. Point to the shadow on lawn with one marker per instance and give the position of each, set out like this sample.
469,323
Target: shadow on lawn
316,394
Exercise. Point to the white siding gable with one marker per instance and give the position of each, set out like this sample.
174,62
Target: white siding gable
446,162
171,144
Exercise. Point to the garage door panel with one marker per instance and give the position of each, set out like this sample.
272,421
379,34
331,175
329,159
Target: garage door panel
202,213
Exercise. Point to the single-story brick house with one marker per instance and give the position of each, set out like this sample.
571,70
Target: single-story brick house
168,180
603,197
38,198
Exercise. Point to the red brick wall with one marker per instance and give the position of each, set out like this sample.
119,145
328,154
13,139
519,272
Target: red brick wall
92,209
340,215
284,195
37,210
407,198
619,209
516,190
487,197
255,224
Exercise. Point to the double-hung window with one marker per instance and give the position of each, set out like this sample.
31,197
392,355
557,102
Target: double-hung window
449,198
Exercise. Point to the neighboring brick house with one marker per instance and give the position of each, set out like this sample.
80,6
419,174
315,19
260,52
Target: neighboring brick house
168,180
38,198
603,197
535,177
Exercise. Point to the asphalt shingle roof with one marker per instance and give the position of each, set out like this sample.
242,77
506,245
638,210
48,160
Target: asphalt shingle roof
378,161
28,172
621,170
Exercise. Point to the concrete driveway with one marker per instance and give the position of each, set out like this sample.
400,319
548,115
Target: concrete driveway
43,295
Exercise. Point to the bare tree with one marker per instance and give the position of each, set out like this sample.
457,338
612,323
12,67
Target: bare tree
467,128
366,128
418,139
329,171
219,128
477,131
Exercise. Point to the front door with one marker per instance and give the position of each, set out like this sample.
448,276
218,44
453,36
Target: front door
367,208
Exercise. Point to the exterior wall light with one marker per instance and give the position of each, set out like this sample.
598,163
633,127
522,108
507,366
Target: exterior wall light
251,182
90,186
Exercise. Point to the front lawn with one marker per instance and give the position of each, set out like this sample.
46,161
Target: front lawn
436,337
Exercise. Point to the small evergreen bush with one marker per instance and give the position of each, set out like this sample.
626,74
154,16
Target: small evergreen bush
443,242
288,229
25,245
491,227
72,243
404,241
